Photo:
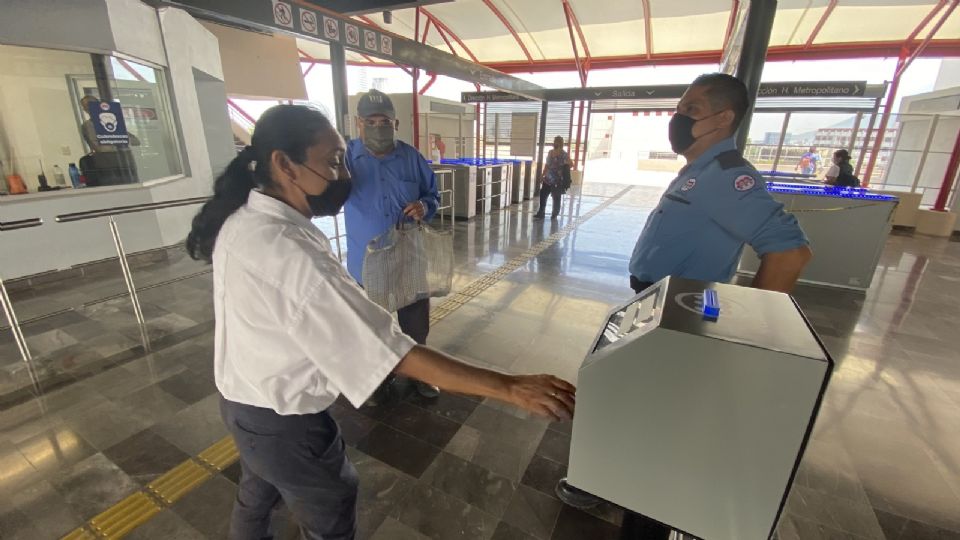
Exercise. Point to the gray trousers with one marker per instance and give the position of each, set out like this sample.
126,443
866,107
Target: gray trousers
300,459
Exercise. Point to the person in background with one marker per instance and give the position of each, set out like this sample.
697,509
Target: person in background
716,205
294,331
439,149
552,183
392,183
809,162
840,173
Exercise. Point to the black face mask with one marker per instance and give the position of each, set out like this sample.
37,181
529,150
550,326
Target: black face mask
332,199
681,132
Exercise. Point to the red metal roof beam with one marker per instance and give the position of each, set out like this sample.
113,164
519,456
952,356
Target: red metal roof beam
581,68
510,28
433,79
933,32
731,20
647,28
823,20
440,26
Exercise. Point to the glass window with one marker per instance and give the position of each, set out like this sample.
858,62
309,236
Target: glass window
107,116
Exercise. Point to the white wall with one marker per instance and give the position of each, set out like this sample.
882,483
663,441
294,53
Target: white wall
56,246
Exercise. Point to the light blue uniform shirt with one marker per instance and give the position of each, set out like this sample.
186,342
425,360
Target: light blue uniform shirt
382,188
714,207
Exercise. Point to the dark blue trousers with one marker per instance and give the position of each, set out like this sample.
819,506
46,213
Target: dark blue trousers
300,459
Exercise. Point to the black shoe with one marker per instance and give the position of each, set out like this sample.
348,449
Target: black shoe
428,391
574,497
553,216
538,216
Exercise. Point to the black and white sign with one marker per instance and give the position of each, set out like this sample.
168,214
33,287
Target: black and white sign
353,35
489,97
308,21
282,13
331,28
386,44
370,40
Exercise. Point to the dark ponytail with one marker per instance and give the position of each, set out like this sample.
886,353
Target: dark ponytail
291,129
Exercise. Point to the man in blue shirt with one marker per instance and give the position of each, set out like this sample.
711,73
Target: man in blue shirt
716,205
391,182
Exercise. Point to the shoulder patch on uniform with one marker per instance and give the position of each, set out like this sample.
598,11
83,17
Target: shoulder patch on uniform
744,182
731,159
689,184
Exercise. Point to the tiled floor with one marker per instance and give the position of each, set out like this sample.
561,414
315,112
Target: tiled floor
884,462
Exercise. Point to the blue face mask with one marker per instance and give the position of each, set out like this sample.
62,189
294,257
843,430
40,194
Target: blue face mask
331,201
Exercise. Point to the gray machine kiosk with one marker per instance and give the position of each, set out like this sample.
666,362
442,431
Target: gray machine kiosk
694,421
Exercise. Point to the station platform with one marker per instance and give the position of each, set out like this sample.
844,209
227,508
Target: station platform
883,463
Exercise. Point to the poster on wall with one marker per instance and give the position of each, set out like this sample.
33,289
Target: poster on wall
523,139
108,123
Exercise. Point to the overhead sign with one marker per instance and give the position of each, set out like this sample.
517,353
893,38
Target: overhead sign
108,123
813,89
674,91
314,22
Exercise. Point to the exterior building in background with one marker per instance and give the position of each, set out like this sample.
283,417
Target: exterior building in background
839,137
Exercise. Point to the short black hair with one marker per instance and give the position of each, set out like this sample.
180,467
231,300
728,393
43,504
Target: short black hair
725,92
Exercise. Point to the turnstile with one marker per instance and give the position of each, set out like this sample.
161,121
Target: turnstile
502,174
847,229
698,422
528,178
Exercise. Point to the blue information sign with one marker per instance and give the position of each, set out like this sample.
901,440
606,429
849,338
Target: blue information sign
107,118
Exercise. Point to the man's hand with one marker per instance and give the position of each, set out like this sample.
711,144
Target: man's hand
416,210
543,395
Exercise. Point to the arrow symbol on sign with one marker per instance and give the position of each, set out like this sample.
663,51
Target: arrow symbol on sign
651,92
597,94
856,89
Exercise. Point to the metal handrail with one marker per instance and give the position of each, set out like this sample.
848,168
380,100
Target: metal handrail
120,210
20,224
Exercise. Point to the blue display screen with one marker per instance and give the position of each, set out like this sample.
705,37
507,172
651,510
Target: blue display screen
827,191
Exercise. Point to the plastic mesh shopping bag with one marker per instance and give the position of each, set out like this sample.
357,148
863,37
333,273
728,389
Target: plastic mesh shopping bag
406,264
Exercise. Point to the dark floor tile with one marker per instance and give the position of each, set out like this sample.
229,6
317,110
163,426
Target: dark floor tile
14,525
555,446
17,470
107,423
450,406
46,508
543,474
501,455
382,487
475,485
391,529
440,516
188,387
565,427
154,402
196,427
145,456
533,512
422,424
573,524
354,426
378,412
507,426
399,450
505,531
168,526
93,485
233,472
900,528
207,508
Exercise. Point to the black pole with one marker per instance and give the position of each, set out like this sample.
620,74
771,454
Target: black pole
540,144
101,73
338,65
753,54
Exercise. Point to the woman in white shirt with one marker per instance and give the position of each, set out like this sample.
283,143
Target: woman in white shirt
294,331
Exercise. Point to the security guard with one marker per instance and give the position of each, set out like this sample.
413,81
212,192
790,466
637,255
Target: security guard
716,205
718,202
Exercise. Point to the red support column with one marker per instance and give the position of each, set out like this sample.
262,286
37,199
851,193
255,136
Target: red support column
948,178
576,154
586,136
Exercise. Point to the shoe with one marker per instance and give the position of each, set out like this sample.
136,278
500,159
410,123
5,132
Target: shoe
538,216
426,390
553,216
574,497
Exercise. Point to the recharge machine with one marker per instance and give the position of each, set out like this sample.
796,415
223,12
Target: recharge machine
694,407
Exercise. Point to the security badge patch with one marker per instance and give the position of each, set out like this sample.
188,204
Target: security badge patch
689,184
744,182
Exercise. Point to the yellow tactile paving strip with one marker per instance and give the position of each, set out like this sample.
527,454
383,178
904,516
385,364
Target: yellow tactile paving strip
128,514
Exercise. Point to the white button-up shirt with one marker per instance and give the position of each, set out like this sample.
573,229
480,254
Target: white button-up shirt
293,329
